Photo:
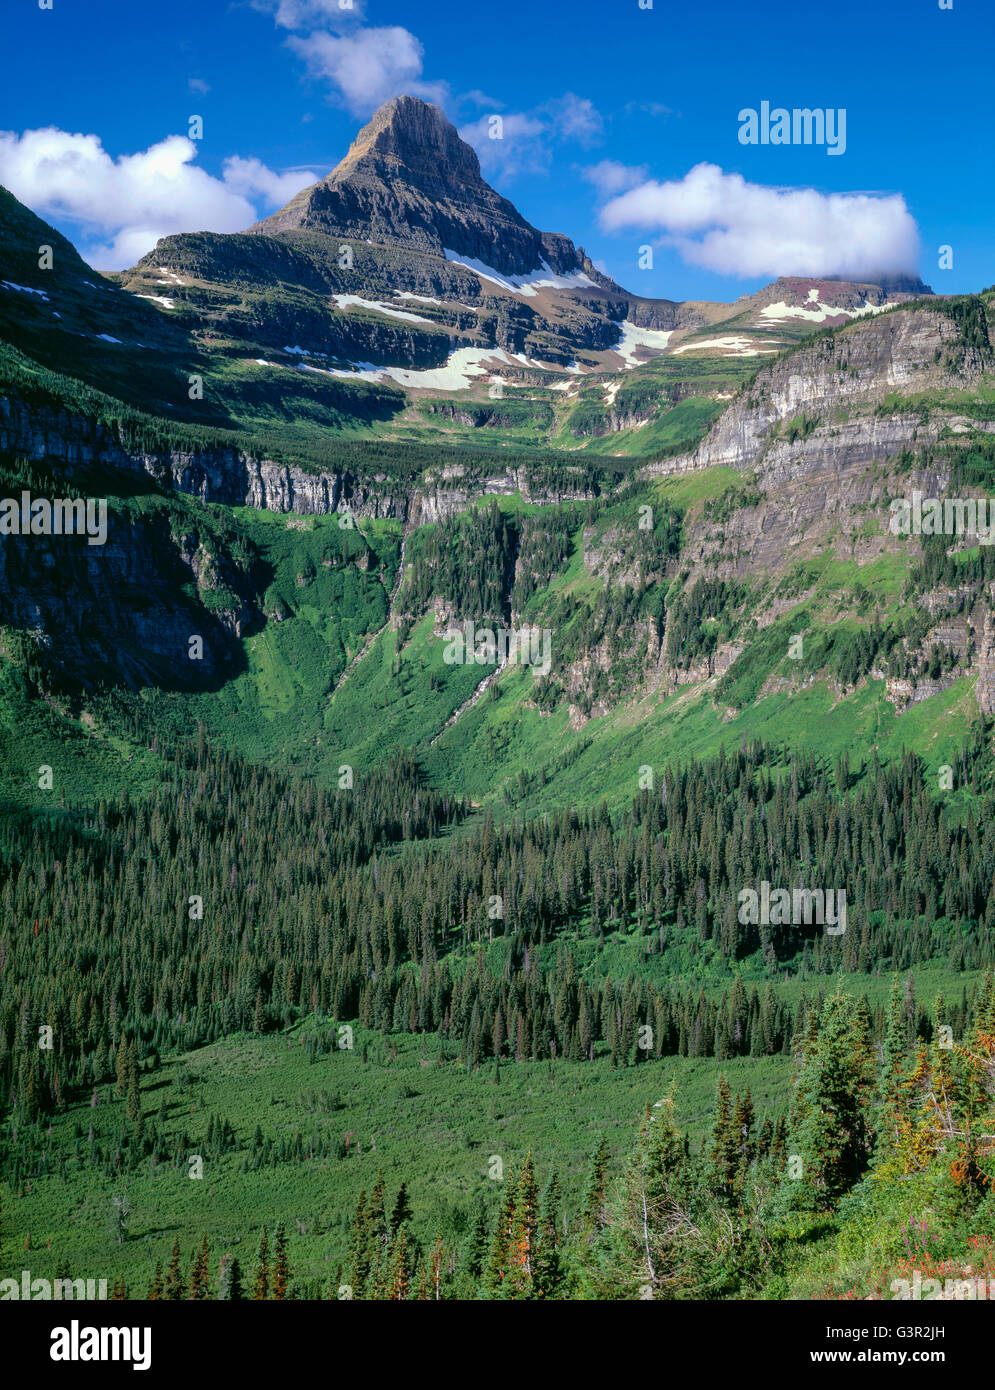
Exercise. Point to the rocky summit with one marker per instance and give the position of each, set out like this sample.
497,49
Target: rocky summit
409,180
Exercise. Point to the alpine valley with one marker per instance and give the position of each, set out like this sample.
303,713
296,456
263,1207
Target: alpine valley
342,948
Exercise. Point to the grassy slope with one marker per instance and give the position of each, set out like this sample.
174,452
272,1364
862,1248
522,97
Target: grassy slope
434,1126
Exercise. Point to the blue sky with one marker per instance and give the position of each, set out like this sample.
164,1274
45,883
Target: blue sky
640,96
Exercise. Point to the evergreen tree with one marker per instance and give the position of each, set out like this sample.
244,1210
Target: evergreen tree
260,1286
725,1143
200,1274
174,1286
400,1274
281,1271
548,1272
497,1265
402,1210
520,1280
830,1132
595,1207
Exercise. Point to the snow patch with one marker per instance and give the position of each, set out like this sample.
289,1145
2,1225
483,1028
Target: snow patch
814,311
542,278
455,375
24,289
345,300
421,298
106,338
633,337
735,347
159,299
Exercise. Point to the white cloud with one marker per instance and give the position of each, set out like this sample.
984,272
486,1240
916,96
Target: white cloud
528,137
362,66
300,14
575,118
611,178
523,147
368,67
197,84
719,221
125,205
254,180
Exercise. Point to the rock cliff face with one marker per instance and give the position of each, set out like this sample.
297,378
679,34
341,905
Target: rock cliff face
986,661
227,476
234,478
133,611
825,439
908,350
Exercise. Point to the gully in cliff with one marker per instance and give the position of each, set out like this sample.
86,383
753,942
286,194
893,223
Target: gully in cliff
61,516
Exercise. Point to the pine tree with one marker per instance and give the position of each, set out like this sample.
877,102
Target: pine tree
402,1210
281,1271
830,1133
743,1125
645,1233
519,1283
400,1275
476,1246
497,1265
595,1208
229,1279
548,1272
121,1068
133,1108
174,1285
156,1287
200,1274
260,1286
724,1151
360,1247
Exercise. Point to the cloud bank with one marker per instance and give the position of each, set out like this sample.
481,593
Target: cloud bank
124,205
723,223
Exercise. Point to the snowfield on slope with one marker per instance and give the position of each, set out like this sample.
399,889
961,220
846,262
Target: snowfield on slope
814,311
343,301
734,347
456,373
633,337
542,278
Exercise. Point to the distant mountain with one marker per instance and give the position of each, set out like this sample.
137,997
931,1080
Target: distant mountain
403,272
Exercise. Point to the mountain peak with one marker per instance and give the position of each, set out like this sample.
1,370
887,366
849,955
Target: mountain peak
408,179
415,134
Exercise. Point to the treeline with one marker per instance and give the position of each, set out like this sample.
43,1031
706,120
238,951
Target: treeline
672,1220
234,899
